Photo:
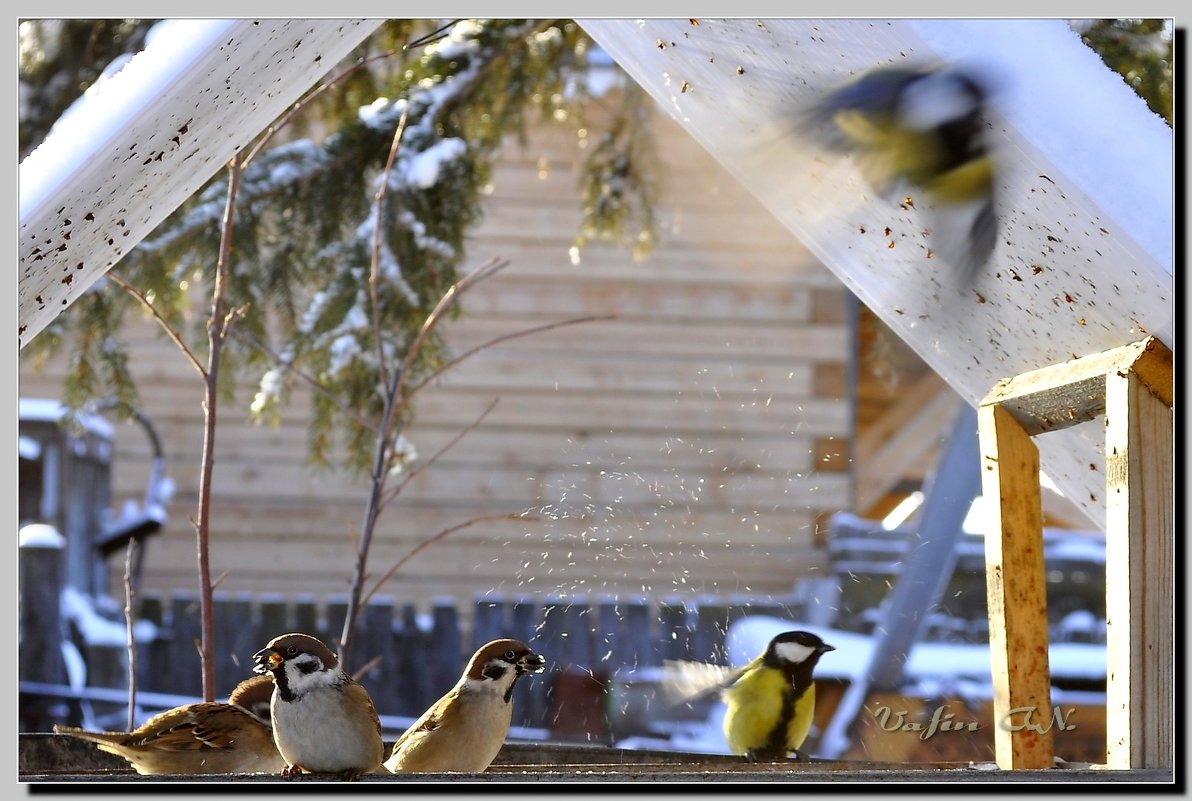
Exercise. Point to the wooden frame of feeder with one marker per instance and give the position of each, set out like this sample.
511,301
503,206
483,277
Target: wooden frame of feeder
1132,387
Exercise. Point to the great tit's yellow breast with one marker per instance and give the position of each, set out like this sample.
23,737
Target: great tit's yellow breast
972,180
755,707
800,723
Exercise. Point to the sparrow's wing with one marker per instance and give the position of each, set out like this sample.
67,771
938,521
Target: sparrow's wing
431,719
358,695
187,728
221,725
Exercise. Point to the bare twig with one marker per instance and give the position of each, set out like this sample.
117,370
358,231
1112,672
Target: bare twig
374,273
496,341
383,454
217,326
130,558
397,397
170,332
449,299
409,476
432,37
367,666
308,379
294,110
426,543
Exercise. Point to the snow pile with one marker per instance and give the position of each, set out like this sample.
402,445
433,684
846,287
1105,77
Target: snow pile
98,630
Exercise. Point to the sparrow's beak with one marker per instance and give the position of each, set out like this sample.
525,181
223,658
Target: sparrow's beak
532,663
267,660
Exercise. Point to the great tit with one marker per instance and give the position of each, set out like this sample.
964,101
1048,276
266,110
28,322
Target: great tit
922,131
771,701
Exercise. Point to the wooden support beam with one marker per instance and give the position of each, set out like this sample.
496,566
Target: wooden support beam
1139,572
1064,395
1132,387
1017,592
914,426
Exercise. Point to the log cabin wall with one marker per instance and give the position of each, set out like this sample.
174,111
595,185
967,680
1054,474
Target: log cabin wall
693,445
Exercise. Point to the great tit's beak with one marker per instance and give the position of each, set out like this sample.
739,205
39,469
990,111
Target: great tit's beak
268,660
825,648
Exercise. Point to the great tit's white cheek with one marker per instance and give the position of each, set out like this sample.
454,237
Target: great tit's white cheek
934,100
793,652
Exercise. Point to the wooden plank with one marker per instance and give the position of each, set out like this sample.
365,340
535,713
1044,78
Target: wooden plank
582,442
546,553
461,574
560,223
1139,572
1016,590
915,426
516,491
909,402
752,299
1059,396
643,340
406,525
712,262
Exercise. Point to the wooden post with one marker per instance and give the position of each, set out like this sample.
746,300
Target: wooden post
1138,575
1132,387
1016,591
39,657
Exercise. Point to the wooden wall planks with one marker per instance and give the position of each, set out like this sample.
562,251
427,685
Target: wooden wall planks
673,449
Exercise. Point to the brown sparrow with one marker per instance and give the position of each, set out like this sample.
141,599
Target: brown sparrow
463,731
207,737
323,720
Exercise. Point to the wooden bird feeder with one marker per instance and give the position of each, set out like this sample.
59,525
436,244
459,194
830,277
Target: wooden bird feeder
1132,387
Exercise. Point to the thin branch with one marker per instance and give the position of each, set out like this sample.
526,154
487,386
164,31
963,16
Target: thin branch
417,549
374,272
433,36
310,380
216,331
382,455
294,110
449,298
170,332
367,666
497,340
393,493
130,559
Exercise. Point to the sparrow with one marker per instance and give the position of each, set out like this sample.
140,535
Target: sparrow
922,129
323,720
463,731
209,737
770,702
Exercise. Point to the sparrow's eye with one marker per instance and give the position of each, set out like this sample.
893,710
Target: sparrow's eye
292,650
510,656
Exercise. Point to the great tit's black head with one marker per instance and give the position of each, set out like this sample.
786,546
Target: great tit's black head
792,648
